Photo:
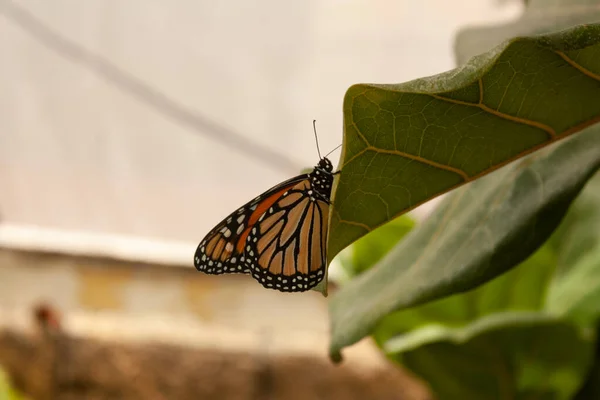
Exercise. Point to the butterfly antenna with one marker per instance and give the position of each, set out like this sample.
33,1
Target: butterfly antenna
340,145
316,138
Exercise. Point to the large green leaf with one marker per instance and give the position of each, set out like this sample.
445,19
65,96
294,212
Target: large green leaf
540,16
477,233
502,356
405,144
521,289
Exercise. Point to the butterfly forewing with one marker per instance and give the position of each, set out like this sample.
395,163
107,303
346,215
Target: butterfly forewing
222,249
279,237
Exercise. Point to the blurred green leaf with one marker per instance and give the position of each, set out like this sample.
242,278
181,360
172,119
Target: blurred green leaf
540,16
407,143
521,289
575,289
579,234
516,355
576,295
477,233
368,250
591,387
6,390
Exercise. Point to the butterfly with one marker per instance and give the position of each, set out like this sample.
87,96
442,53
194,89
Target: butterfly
279,237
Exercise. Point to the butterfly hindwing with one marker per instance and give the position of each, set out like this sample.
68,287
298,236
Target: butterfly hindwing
286,248
217,253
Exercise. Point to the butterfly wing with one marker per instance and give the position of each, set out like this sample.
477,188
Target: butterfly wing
279,237
285,249
222,249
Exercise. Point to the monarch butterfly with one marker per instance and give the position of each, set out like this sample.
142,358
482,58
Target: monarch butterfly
279,237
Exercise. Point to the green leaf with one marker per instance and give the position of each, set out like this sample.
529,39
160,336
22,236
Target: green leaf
521,289
502,356
576,295
578,235
477,233
6,390
369,249
405,144
575,291
591,388
540,16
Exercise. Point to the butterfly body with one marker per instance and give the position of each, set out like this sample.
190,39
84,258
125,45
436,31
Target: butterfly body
279,237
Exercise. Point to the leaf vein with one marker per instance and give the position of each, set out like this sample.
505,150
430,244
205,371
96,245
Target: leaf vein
551,132
431,163
353,223
577,66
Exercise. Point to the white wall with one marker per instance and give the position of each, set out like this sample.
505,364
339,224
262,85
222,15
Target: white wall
83,149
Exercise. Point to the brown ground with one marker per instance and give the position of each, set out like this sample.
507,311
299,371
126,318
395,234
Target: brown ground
54,365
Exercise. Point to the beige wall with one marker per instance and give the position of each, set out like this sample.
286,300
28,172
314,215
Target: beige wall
129,300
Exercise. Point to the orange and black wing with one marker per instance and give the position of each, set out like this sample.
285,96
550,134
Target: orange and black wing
279,237
285,249
222,249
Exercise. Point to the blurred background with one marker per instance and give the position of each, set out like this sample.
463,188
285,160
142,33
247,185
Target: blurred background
129,129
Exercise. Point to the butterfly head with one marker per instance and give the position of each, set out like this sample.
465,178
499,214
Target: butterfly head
325,164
